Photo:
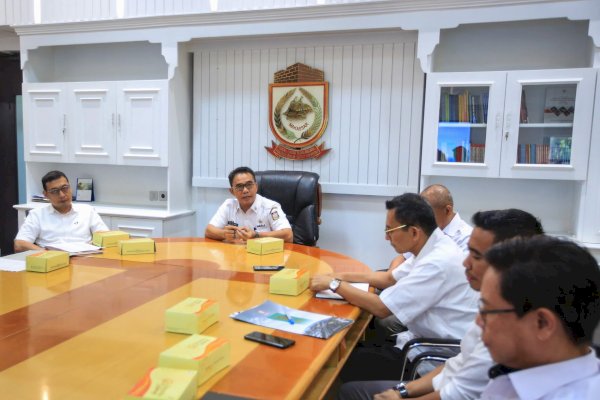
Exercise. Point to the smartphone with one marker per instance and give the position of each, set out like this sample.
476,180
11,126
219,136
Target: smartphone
268,267
265,338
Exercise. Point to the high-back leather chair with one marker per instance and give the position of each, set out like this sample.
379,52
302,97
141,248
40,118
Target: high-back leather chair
299,194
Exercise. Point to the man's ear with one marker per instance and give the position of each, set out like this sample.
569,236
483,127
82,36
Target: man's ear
546,322
448,209
231,191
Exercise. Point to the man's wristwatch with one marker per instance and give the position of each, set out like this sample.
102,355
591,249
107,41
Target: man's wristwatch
402,390
334,284
256,235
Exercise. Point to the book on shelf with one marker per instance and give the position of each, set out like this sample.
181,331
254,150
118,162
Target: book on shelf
560,150
523,117
463,107
532,153
560,104
85,189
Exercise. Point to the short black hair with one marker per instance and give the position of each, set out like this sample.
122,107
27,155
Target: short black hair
52,176
552,273
240,170
413,210
508,223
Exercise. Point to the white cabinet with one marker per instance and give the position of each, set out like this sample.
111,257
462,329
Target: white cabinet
138,227
44,121
122,123
516,124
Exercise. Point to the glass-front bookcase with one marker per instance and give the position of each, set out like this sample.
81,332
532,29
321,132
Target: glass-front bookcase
521,124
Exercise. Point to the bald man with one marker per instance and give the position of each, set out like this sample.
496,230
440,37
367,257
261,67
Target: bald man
448,220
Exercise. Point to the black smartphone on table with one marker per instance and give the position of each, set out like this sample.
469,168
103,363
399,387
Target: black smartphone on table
268,267
270,340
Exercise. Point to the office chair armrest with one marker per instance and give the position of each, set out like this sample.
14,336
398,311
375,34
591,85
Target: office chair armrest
442,347
424,363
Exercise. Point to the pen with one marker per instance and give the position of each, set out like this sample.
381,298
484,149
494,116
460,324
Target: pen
290,319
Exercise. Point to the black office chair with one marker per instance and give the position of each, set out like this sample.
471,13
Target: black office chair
422,355
299,194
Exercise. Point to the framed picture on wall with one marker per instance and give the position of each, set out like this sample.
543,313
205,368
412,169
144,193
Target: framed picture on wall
85,189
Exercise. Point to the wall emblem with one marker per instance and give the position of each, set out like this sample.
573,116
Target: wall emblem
298,112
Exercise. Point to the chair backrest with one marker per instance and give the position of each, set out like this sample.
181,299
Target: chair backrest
299,194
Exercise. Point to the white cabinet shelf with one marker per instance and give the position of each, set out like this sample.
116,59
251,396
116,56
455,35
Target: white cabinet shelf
122,123
137,221
515,124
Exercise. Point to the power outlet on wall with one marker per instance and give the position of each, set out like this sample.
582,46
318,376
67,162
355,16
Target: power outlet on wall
158,195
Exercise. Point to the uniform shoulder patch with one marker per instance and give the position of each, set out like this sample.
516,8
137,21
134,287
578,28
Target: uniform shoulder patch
274,214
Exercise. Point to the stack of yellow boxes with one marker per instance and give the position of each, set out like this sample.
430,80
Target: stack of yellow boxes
199,357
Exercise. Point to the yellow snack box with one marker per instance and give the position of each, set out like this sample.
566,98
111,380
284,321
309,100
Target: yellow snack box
192,315
266,245
46,261
108,238
165,384
137,246
205,354
289,281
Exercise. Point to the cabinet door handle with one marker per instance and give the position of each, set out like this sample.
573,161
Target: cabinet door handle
64,128
119,122
113,120
506,135
498,121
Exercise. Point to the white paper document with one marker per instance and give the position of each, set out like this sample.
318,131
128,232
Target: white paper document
15,262
75,249
328,294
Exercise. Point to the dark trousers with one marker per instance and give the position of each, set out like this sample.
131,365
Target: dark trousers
370,362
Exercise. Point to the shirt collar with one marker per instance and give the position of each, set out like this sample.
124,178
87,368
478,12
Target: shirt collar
253,207
55,211
534,383
453,226
431,241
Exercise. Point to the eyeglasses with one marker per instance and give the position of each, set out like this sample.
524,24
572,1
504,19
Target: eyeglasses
387,231
240,188
55,191
483,312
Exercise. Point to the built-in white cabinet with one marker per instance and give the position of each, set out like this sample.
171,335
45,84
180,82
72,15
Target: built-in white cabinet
512,124
123,123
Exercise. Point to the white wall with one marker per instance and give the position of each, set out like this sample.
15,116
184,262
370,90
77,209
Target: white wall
376,91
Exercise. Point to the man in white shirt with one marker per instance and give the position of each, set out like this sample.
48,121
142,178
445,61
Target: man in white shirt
448,220
248,215
60,221
540,304
429,294
464,376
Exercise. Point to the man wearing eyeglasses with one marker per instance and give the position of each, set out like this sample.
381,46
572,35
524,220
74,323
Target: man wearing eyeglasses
429,294
60,221
464,376
248,215
540,304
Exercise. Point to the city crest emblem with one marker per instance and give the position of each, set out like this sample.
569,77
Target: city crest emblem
298,113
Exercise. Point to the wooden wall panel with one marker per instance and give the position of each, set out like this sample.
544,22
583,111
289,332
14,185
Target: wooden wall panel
376,89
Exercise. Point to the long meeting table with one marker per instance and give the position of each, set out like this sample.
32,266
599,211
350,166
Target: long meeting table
91,330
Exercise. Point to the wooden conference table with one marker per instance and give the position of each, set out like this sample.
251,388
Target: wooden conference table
91,330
